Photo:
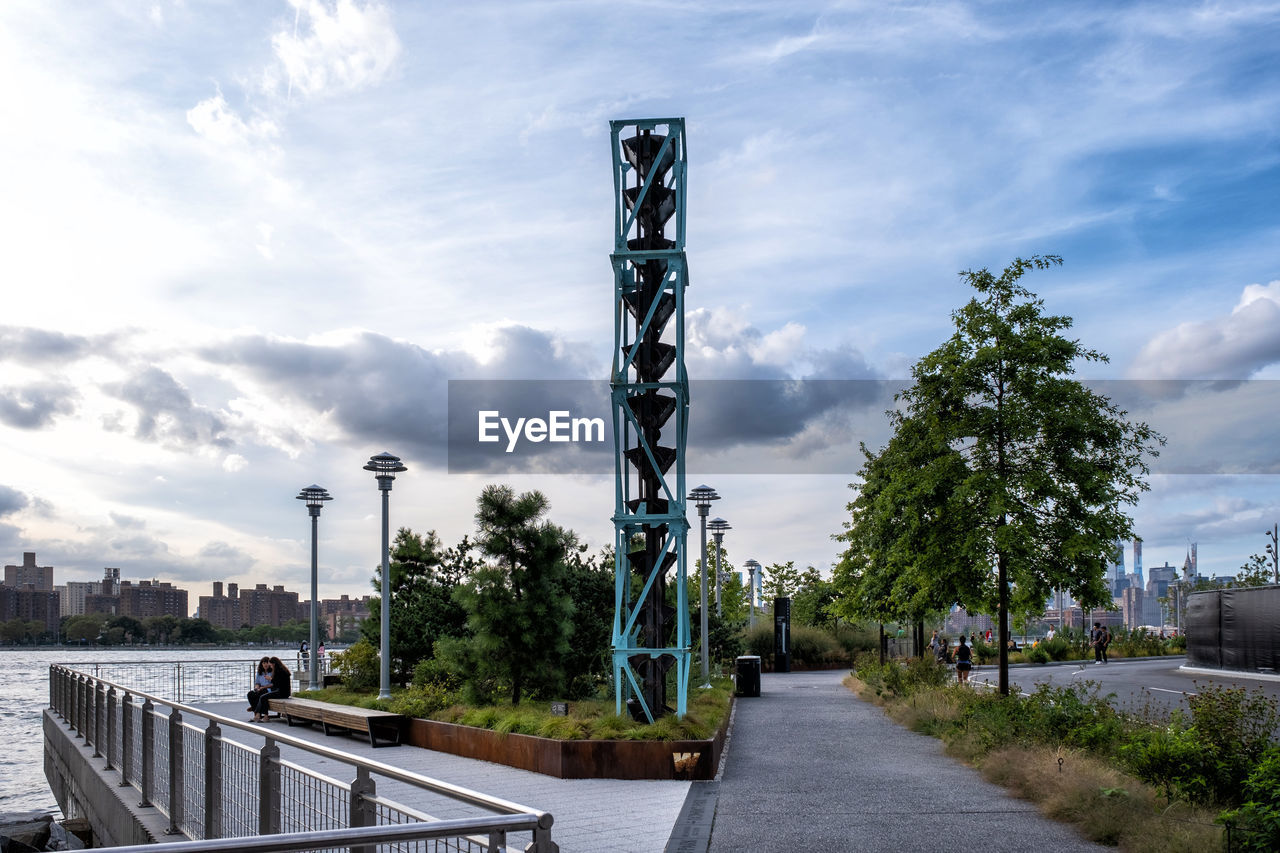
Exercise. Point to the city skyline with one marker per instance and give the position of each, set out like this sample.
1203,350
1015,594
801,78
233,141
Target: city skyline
249,250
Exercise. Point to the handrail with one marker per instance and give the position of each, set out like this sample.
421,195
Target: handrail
79,698
295,841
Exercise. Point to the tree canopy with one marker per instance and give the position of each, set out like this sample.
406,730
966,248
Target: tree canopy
1005,477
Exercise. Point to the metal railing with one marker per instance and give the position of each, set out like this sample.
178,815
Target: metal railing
212,788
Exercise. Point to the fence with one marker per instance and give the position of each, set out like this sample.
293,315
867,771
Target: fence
212,788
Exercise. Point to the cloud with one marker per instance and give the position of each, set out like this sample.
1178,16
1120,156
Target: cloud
222,552
11,501
166,413
334,48
36,406
215,120
1233,346
39,346
127,522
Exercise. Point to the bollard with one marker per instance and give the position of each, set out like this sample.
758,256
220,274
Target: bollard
148,752
213,781
176,783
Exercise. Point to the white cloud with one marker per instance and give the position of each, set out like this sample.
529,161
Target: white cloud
342,47
1231,346
215,120
234,462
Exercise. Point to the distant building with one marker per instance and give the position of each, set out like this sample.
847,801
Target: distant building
72,595
30,604
960,621
1132,602
39,577
140,600
222,611
262,606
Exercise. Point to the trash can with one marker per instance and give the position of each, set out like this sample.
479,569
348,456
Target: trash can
747,680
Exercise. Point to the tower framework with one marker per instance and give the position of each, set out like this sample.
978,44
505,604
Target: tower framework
650,403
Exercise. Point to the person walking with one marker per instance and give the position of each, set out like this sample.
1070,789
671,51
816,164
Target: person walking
1095,639
1106,641
964,661
933,644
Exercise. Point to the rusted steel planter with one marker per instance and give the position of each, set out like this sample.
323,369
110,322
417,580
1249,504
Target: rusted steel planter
575,759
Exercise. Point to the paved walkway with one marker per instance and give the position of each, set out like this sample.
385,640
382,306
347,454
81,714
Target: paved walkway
811,767
591,815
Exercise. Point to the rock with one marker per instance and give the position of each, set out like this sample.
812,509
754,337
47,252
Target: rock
23,831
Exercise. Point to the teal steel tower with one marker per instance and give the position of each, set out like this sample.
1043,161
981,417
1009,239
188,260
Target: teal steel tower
650,402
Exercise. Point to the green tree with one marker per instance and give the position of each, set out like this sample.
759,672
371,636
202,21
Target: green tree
813,601
423,609
781,580
85,628
1009,477
519,617
588,583
1254,572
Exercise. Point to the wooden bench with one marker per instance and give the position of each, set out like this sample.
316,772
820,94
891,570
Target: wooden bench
379,725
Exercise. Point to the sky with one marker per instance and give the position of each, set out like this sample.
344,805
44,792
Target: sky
245,246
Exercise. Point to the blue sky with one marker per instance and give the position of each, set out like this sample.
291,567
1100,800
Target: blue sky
246,244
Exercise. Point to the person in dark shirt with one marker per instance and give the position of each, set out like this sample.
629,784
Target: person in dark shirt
281,688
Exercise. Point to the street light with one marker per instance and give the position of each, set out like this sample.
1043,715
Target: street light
702,496
315,496
1274,549
385,467
717,527
752,566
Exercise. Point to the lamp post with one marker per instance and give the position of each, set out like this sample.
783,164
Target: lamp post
702,496
315,496
717,527
385,467
752,567
1274,549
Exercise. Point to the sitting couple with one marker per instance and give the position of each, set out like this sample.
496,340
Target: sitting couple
271,682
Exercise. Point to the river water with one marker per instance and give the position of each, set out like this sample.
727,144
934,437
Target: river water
24,694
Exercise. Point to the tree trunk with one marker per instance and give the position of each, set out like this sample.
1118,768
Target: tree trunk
1002,578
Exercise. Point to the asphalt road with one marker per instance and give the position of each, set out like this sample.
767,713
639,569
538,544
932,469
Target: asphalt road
1157,683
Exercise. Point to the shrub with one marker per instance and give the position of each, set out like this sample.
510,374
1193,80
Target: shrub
815,647
855,638
759,641
423,700
1256,824
1058,648
1037,654
359,666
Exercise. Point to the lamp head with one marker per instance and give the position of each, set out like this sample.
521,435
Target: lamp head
315,496
702,496
385,467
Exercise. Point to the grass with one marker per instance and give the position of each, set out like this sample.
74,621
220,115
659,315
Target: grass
1105,804
587,720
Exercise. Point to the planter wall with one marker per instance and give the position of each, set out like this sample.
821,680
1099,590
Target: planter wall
575,759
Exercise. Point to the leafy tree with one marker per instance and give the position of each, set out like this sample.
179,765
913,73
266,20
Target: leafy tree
84,628
1005,477
423,610
813,602
588,583
781,580
1254,572
520,620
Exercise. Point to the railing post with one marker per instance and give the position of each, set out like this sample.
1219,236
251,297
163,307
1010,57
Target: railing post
542,842
97,719
148,751
176,782
112,732
82,699
76,705
127,735
361,806
213,781
53,682
269,788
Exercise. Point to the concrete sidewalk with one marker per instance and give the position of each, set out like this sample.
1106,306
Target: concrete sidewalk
811,767
591,815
